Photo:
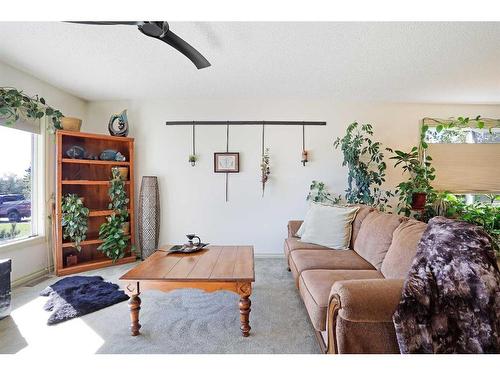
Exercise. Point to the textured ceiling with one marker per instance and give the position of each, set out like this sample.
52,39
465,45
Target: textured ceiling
410,62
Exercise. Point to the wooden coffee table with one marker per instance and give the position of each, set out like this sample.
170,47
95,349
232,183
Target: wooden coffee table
211,269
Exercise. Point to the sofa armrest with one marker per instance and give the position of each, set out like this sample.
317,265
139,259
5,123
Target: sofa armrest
293,227
369,300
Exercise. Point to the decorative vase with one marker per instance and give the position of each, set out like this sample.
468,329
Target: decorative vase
71,260
123,173
71,123
126,228
149,216
418,201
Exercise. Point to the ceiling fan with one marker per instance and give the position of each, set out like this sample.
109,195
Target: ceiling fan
159,30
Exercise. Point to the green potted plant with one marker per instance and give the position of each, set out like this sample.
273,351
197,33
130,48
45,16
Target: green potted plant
365,161
413,192
114,232
74,219
17,106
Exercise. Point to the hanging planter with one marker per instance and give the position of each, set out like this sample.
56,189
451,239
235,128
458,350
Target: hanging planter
193,158
304,158
265,169
305,153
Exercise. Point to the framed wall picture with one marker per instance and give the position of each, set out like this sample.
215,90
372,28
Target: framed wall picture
226,162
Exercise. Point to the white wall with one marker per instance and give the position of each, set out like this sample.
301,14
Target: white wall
30,259
192,199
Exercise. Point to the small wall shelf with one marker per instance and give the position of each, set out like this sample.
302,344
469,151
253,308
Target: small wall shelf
90,179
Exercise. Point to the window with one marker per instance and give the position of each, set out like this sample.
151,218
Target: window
18,185
466,160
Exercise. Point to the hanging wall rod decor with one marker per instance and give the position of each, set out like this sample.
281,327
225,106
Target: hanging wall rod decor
289,123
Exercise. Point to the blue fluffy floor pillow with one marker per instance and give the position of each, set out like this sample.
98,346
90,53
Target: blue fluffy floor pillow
76,296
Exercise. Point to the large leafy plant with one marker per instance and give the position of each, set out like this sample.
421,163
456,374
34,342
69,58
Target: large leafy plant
421,173
115,241
16,105
74,219
365,161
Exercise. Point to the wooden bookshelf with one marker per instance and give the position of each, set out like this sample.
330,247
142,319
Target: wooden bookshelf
90,180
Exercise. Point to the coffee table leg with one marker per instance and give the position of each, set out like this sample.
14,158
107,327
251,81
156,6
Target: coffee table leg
135,306
245,304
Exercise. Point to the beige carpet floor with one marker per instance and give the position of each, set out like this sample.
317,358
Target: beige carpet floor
182,321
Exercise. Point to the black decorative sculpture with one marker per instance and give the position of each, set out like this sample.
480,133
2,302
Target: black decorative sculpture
120,130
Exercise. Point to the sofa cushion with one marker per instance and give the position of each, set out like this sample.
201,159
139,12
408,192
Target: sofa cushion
375,236
403,248
356,224
315,286
292,244
301,260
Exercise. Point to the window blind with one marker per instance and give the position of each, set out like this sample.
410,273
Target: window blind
466,168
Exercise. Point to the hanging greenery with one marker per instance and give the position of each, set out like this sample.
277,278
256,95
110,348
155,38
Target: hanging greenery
115,241
454,127
365,161
265,169
75,218
15,105
319,194
192,159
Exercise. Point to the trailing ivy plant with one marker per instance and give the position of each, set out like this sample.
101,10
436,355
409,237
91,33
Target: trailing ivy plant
16,105
74,219
365,161
453,127
115,241
421,173
319,194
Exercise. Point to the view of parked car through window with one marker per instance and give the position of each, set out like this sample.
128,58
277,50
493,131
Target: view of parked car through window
15,184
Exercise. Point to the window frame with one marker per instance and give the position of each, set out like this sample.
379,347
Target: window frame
38,187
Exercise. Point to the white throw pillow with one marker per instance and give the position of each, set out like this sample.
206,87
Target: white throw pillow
329,226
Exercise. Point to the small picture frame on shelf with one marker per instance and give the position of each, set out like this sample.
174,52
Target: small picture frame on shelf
226,162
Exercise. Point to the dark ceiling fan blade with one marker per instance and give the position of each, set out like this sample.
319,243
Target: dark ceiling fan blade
159,30
185,48
104,23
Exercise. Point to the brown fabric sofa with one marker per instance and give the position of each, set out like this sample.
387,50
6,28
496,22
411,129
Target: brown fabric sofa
351,295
